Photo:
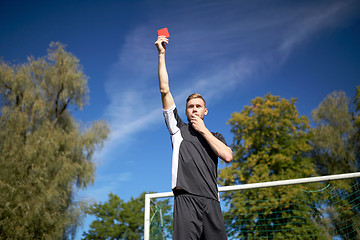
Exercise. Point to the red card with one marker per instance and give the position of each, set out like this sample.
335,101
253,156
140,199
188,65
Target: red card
163,32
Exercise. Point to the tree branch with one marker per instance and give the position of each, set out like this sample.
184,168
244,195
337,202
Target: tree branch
6,86
57,100
60,113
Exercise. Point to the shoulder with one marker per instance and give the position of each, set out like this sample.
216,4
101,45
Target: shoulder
171,112
172,117
171,109
219,136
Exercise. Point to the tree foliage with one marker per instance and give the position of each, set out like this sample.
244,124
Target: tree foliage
271,142
45,155
333,136
357,126
336,141
116,219
270,139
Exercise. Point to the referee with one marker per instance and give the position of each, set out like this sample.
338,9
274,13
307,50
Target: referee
197,212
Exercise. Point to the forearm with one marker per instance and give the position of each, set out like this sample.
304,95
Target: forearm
219,148
166,96
163,75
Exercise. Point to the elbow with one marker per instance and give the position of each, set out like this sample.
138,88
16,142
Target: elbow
228,157
164,91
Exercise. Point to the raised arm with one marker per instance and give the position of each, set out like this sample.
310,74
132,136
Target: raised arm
166,97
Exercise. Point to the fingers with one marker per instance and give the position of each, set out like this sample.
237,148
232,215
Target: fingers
161,39
194,119
160,44
197,123
194,116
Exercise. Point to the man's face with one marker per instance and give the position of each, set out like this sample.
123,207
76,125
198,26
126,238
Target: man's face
196,106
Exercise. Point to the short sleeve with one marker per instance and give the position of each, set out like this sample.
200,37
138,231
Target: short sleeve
220,137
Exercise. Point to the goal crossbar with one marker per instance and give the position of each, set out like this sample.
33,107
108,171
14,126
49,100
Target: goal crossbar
149,196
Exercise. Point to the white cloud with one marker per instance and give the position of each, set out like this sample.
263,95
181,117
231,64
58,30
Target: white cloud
214,51
314,21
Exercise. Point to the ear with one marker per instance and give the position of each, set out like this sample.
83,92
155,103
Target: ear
206,111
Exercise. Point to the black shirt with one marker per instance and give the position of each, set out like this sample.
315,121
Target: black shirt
194,164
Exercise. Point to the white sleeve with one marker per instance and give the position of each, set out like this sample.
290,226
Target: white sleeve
172,119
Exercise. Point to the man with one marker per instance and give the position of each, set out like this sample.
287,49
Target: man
197,213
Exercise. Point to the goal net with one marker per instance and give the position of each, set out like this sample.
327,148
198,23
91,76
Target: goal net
325,207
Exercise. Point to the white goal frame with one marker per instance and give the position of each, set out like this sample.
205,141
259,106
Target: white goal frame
148,197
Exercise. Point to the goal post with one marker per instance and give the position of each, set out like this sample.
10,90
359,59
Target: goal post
150,196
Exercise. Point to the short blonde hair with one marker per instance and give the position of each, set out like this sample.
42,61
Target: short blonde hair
195,95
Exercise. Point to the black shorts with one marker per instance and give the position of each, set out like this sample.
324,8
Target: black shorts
197,218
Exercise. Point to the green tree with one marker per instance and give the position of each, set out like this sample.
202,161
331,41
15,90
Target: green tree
45,155
335,151
116,219
333,136
357,127
270,143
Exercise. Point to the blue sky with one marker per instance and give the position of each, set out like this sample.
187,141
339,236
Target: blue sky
229,51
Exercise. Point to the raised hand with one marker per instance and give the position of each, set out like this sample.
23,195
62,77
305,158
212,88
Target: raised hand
161,44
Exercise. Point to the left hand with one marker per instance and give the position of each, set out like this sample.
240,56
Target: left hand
197,123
